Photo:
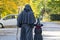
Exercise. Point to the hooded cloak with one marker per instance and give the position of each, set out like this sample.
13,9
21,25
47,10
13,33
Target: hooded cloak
26,16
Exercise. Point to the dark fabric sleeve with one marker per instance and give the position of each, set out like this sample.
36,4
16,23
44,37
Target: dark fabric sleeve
19,20
33,18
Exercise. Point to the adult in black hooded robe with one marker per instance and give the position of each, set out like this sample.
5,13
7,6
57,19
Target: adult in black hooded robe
26,21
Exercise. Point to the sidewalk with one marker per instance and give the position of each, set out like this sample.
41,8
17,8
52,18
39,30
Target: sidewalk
51,31
9,34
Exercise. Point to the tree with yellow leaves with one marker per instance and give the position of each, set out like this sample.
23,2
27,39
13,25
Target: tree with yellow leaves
8,7
36,5
11,6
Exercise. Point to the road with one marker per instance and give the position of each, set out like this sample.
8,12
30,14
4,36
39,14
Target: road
51,31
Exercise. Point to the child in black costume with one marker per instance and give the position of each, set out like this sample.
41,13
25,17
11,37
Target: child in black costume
38,31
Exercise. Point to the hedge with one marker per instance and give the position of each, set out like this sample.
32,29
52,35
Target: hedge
55,17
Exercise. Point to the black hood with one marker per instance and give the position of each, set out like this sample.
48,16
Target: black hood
27,8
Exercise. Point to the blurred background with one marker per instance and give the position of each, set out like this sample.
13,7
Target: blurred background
49,9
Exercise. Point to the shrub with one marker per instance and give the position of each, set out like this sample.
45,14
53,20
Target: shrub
55,17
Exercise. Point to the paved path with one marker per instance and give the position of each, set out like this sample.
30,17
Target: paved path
9,34
51,31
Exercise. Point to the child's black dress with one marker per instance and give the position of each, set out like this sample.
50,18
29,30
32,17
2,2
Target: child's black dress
38,33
